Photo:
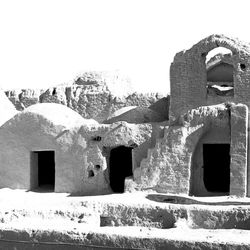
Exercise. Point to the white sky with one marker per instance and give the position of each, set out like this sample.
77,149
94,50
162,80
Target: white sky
48,42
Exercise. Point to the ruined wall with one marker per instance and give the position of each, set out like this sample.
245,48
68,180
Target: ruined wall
93,95
141,151
188,75
97,153
168,167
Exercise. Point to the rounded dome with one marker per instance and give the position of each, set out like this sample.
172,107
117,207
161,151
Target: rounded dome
135,115
58,114
121,111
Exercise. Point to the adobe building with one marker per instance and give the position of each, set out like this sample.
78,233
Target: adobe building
201,150
204,150
49,146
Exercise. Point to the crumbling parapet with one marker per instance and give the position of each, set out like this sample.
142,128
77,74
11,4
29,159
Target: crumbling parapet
94,95
101,140
168,167
188,75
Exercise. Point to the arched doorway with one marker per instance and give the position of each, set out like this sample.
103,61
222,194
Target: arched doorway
210,166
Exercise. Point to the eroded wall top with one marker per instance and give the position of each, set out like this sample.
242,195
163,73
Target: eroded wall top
190,84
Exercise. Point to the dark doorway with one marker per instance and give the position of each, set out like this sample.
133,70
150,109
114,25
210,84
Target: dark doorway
43,170
216,159
120,167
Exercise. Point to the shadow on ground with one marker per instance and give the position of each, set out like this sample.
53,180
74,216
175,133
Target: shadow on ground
189,201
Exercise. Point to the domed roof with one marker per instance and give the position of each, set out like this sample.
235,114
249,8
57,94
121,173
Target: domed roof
58,114
135,115
121,111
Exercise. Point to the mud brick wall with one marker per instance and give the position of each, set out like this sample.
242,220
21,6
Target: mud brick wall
188,75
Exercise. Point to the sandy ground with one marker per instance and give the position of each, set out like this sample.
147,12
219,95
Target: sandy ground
59,217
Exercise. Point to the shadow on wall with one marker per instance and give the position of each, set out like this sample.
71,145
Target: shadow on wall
157,112
162,107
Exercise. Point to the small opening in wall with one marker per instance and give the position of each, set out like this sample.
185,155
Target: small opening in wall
242,66
96,138
54,91
91,173
97,167
204,54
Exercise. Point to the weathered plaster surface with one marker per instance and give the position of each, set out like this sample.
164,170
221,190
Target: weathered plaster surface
167,155
217,134
97,152
137,115
174,164
188,75
239,150
72,138
94,95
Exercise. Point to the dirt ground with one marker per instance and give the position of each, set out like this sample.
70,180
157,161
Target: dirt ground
47,220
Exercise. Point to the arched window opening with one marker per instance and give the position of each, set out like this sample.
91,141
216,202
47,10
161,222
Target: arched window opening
220,80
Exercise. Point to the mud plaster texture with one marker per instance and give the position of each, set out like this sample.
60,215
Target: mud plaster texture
167,153
169,167
167,158
188,74
131,221
71,137
174,164
95,95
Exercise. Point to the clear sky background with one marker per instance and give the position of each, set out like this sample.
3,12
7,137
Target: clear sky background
48,42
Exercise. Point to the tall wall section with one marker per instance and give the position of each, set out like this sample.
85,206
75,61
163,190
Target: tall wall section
188,75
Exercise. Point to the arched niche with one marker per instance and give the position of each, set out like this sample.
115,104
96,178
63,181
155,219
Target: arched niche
210,163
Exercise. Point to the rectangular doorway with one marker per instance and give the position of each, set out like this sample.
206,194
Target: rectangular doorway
43,170
216,163
120,167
